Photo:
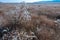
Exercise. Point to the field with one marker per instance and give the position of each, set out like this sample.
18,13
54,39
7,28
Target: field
29,21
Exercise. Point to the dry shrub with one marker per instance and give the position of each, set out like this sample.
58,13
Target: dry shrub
47,22
47,27
3,20
38,21
45,34
31,24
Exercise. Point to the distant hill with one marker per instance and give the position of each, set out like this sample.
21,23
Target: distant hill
47,2
0,2
39,2
56,0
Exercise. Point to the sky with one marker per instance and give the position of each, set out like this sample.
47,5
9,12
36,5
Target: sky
14,1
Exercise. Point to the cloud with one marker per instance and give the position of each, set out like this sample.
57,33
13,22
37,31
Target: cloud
10,1
31,0
47,0
35,0
22,0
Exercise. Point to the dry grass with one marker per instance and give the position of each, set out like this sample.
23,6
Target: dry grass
41,24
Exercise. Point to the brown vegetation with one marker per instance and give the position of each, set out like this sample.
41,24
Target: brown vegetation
41,23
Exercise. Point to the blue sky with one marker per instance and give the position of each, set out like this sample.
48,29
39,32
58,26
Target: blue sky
24,0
